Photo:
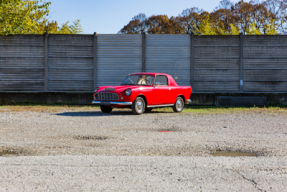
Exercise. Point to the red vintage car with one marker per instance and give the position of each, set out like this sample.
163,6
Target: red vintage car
142,92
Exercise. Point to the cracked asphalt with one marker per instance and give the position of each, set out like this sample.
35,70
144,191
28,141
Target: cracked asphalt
141,173
85,150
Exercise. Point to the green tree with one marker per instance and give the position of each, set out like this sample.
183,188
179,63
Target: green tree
76,28
191,19
205,28
29,17
21,17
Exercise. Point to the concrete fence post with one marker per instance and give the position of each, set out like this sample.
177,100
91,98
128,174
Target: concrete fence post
192,60
241,57
46,60
143,52
95,60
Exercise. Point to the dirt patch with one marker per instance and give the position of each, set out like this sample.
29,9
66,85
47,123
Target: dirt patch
8,151
90,137
233,153
174,129
165,131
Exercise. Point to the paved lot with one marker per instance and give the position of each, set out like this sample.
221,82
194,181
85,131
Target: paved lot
99,173
85,150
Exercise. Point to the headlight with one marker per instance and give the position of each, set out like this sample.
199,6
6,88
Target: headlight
128,92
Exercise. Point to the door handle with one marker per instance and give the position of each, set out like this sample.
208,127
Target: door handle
168,89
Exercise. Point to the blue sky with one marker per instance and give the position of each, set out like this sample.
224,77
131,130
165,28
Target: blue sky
109,16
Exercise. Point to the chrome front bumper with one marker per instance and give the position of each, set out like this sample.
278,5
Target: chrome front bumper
125,103
113,103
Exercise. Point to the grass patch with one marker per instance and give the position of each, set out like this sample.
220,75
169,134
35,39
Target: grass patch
222,110
45,108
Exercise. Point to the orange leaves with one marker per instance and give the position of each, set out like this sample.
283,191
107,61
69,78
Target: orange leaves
158,24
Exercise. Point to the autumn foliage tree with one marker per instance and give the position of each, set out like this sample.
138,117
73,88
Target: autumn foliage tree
267,17
29,17
159,24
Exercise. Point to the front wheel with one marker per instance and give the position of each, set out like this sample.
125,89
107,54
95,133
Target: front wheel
106,109
178,105
138,106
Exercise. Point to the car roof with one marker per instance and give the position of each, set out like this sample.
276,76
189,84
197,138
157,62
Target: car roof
171,80
149,73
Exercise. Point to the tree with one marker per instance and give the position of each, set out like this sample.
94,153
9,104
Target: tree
191,19
222,18
136,25
21,17
243,13
159,24
253,17
205,28
279,10
29,17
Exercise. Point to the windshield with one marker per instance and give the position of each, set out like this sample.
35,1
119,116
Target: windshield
138,80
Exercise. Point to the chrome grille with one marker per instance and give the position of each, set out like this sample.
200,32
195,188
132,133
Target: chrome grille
107,96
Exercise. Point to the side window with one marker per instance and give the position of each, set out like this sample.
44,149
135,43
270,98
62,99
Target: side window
149,80
161,80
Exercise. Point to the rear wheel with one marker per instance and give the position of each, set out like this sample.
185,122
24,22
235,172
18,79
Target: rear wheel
138,106
106,109
178,105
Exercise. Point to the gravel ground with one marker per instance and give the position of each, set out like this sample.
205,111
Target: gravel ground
99,173
193,138
121,133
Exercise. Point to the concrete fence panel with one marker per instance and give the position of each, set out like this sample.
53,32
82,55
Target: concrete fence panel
216,64
169,54
70,63
265,64
117,56
22,63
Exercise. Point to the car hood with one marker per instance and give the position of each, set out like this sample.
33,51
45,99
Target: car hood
116,89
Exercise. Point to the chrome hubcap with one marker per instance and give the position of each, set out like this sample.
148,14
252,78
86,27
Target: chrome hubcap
139,106
179,105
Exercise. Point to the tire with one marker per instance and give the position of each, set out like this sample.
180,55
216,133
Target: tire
148,109
138,106
106,109
178,105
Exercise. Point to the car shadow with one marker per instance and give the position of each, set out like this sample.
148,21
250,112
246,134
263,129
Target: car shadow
99,113
93,113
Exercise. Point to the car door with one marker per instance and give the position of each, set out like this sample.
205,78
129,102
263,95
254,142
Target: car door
161,90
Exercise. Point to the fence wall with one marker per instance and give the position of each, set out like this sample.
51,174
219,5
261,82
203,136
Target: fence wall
80,63
216,64
265,64
22,63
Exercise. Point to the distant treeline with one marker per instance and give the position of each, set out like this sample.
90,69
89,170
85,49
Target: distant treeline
250,18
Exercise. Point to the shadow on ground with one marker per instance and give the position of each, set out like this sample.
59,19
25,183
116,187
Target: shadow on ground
93,113
99,113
